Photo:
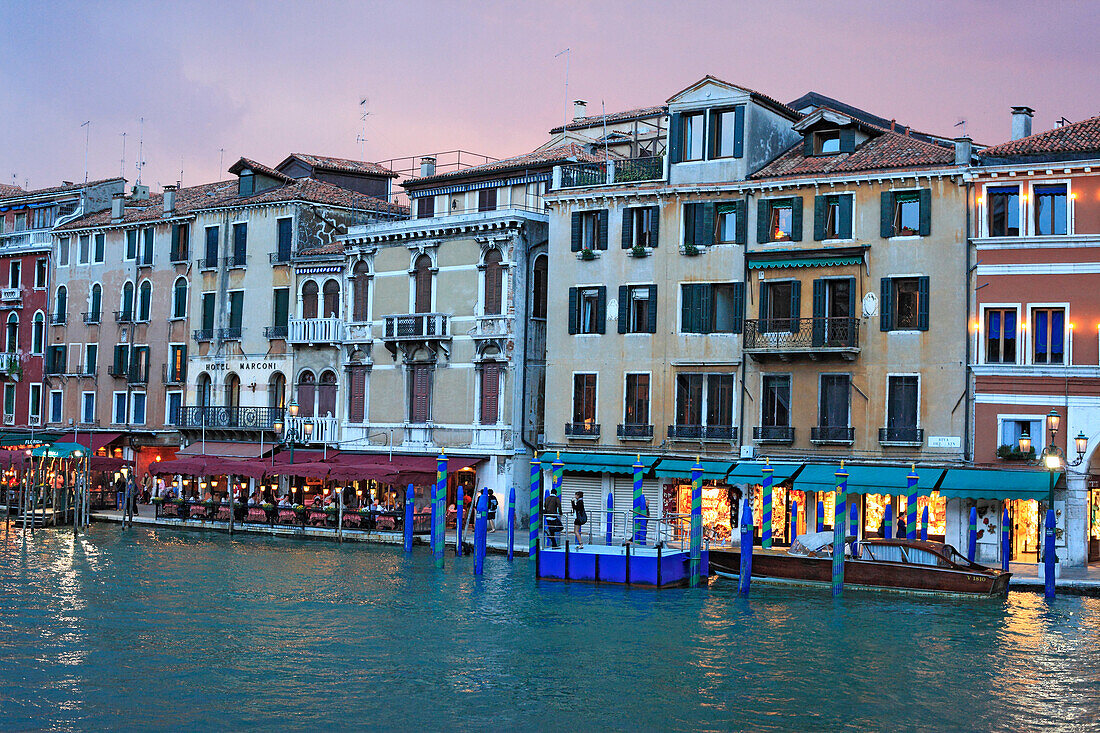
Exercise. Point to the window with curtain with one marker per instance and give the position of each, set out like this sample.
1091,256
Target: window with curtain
309,299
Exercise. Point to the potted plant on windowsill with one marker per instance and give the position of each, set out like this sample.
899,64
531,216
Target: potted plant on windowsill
639,251
588,254
1013,453
691,250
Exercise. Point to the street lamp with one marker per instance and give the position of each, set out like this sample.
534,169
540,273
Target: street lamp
289,434
1053,458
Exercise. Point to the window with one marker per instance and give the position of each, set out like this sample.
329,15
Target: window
779,220
181,242
901,407
357,393
539,290
331,293
731,223
177,365
236,312
179,298
422,282
15,274
147,246
832,409
20,222
691,135
127,309
776,401
276,391
35,404
833,217
145,301
246,184
61,303
139,365
41,271
487,199
87,407
420,393
637,400
84,249
119,414
1050,210
360,305
589,230
704,406
726,132
240,244
782,222
1000,335
44,217
91,358
494,283
906,213
827,142
1013,428
719,401
637,309
425,207
173,402
689,400
640,226
210,256
490,394
584,400
1004,211
122,360
281,316
55,359
204,391
100,245
904,304
834,317
699,224
1048,335
131,244
712,307
63,252
286,236
587,309
95,303
56,400
9,403
326,395
38,333
780,306
208,313
11,334
310,293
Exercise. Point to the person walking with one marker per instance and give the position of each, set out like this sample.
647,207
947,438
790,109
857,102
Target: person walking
580,517
551,510
492,518
131,498
120,494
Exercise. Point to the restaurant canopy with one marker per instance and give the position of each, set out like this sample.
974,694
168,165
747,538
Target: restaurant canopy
890,480
60,450
677,468
989,483
224,449
620,463
90,441
750,472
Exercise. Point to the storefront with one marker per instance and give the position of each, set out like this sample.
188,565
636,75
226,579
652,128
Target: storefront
718,497
1093,549
749,476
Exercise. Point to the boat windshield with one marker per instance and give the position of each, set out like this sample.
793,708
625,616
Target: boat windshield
910,555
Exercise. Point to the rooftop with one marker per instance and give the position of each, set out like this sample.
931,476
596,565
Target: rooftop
1075,140
7,191
542,158
638,113
340,165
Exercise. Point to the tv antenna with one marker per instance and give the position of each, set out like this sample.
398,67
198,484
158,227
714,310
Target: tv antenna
361,138
87,136
565,105
221,160
961,123
122,162
140,163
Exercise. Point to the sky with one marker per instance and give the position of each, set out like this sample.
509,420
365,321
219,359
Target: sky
220,80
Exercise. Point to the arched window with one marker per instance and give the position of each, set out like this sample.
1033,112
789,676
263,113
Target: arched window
127,308
332,299
494,283
307,389
202,390
360,309
538,288
38,333
309,299
276,391
422,281
95,303
11,341
145,300
326,395
179,298
61,304
232,391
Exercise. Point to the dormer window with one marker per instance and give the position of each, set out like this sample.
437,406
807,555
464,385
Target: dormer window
827,143
692,135
246,184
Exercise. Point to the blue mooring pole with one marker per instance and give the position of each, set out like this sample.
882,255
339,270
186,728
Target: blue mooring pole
409,501
511,522
747,532
1006,547
1049,558
794,521
458,522
609,519
972,535
480,527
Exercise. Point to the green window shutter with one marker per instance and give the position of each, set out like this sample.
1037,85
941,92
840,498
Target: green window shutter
737,322
845,225
675,125
847,140
796,219
175,241
711,142
624,308
922,303
819,218
886,316
764,301
236,309
121,358
282,307
796,305
886,230
572,311
851,297
99,244
808,144
654,224
651,326
601,310
699,238
740,211
575,228
763,211
601,219
819,312
708,224
208,311
686,293
627,239
706,308
925,212
739,131
689,223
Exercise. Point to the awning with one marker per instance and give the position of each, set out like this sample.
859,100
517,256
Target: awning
92,441
27,437
107,463
222,449
991,483
60,450
678,468
866,479
305,455
598,462
804,262
748,472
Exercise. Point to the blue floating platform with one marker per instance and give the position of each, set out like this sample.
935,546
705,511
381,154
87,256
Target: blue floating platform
626,565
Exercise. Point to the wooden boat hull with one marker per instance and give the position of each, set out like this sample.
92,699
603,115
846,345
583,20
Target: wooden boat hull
863,573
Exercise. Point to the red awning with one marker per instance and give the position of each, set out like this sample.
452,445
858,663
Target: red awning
107,463
223,449
304,455
91,441
396,469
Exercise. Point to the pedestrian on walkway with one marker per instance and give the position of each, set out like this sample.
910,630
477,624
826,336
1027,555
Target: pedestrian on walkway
120,493
492,511
551,509
580,517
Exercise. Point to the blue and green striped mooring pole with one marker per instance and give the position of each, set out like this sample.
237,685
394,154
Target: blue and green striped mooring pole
766,503
1006,546
911,503
888,519
972,535
534,524
839,515
794,521
696,545
511,522
441,508
638,506
747,538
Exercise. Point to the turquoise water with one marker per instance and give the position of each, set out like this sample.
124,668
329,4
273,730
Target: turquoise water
187,631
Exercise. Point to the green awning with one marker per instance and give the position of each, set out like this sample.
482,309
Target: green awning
26,437
804,262
748,472
60,450
867,479
991,483
597,462
679,468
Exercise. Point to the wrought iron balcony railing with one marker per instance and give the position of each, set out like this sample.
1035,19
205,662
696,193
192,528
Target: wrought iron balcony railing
583,174
275,332
634,431
233,333
279,258
773,434
801,334
207,263
235,417
203,334
639,169
124,316
831,434
901,436
91,317
236,261
412,326
583,429
58,319
717,433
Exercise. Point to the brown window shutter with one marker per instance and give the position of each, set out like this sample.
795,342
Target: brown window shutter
357,391
494,276
309,300
361,299
423,281
490,391
305,399
421,395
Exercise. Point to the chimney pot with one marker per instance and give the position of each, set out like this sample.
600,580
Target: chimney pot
963,147
893,123
118,207
169,199
580,109
1021,122
427,166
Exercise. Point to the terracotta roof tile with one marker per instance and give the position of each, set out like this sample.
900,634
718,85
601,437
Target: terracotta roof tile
887,151
1073,140
570,152
6,190
612,118
252,165
55,189
340,165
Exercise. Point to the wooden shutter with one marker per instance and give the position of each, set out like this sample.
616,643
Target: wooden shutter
847,140
819,218
925,212
886,316
796,219
764,294
282,307
852,297
176,242
796,305
490,388
844,226
739,131
687,307
122,353
99,244
763,211
211,243
357,392
601,310
654,224
819,311
208,311
306,392
423,299
705,312
493,286
573,316
240,242
675,126
236,309
737,322
627,238
361,302
147,256
886,225
601,223
651,326
922,303
709,214
421,396
808,144
624,308
285,236
741,212
575,228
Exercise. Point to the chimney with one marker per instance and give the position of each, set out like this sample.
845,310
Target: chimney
118,207
427,166
893,123
580,109
963,146
1021,122
140,192
169,200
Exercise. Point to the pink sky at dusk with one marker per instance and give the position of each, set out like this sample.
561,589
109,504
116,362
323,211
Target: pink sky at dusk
263,79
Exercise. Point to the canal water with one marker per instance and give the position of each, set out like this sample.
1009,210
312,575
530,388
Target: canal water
173,630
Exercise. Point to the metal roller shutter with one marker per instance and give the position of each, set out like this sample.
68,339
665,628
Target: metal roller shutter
624,500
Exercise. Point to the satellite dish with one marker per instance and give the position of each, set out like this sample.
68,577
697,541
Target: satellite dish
870,305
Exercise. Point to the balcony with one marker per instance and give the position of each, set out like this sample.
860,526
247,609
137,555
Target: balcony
580,175
9,363
279,258
235,261
178,257
489,328
33,238
124,316
145,262
410,328
909,437
823,434
316,331
202,334
173,374
706,433
325,429
91,317
233,333
11,297
229,418
634,431
117,371
58,319
207,263
275,332
358,332
812,337
137,375
773,434
584,429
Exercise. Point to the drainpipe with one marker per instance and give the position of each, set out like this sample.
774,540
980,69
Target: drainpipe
968,453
